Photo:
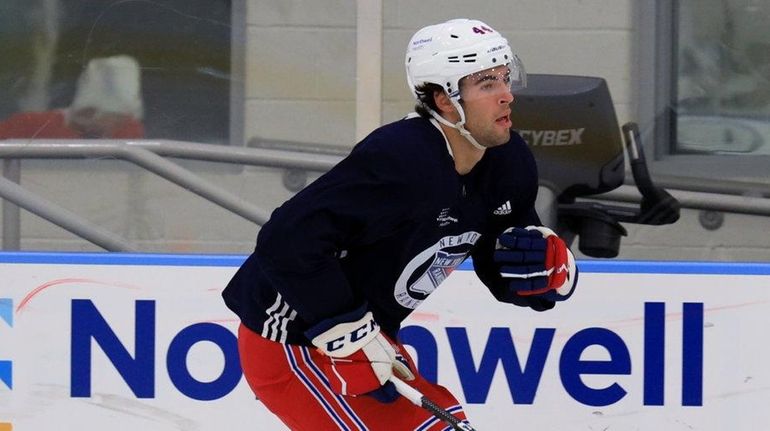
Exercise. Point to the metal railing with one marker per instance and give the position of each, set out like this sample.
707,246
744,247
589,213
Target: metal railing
151,156
697,200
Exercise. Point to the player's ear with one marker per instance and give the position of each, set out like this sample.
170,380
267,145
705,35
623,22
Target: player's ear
443,103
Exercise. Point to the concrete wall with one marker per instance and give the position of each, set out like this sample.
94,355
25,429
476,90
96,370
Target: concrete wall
301,56
300,86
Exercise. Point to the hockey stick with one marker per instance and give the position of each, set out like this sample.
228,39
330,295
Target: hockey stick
420,400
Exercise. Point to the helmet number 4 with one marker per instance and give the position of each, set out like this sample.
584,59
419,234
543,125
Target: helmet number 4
482,30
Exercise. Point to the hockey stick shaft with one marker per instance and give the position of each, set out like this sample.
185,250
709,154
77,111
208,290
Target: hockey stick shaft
420,400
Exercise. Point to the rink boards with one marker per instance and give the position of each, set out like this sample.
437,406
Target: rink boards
133,341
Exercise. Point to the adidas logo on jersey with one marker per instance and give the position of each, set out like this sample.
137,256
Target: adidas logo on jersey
505,209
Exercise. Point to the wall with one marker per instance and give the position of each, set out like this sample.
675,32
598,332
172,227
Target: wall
145,342
301,66
300,74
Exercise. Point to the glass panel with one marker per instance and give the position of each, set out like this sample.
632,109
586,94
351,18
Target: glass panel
117,69
723,84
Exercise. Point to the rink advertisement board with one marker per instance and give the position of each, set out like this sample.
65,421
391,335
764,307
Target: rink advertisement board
127,342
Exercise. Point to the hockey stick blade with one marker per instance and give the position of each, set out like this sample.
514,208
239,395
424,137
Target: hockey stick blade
420,400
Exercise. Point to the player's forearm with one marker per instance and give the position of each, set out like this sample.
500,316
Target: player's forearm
315,293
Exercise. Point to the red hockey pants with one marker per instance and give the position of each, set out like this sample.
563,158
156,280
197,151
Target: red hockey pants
288,382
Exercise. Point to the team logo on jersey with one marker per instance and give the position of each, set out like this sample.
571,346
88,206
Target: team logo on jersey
443,264
431,267
504,209
444,218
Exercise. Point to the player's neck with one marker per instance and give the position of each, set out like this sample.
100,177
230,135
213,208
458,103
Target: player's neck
465,154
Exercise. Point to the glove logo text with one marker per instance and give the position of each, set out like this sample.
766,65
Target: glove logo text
356,335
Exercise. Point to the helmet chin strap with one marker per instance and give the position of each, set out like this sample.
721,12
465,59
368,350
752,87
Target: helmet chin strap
460,125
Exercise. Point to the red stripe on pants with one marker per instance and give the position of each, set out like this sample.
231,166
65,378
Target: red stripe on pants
290,387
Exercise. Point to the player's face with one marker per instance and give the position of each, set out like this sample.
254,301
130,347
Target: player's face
486,96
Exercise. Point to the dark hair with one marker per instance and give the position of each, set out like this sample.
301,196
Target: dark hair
426,98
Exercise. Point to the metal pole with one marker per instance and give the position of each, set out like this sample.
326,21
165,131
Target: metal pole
11,212
546,206
274,158
696,200
62,217
192,182
368,66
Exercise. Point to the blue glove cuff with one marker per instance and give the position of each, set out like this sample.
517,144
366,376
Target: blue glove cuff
386,393
327,324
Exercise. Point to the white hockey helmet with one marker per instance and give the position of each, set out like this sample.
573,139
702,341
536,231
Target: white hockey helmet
445,53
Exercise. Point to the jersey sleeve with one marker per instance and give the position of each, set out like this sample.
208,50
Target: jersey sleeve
364,198
519,179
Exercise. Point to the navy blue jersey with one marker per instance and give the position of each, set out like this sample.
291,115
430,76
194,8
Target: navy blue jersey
382,229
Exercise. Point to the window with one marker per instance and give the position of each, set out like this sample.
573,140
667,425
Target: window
182,48
704,87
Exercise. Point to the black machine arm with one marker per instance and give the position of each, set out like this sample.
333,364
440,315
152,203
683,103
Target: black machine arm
658,207
598,225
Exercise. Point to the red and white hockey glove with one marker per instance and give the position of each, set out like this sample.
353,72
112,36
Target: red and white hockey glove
535,261
359,358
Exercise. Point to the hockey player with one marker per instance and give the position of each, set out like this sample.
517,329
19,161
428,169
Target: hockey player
340,265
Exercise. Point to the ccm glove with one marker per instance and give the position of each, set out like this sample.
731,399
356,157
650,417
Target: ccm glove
359,359
536,262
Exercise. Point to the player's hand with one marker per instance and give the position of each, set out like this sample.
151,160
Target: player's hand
359,359
536,262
